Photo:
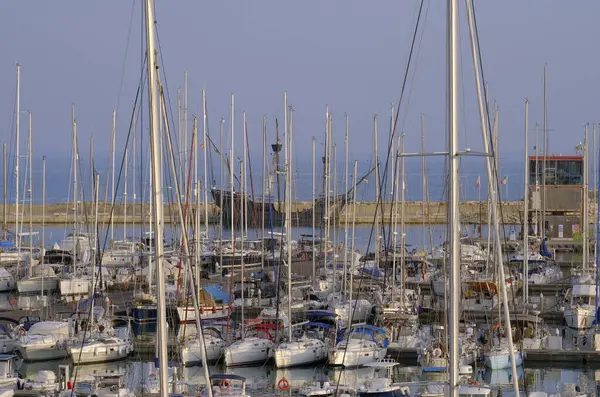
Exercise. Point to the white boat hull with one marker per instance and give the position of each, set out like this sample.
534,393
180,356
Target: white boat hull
502,360
300,356
249,351
580,318
355,358
100,353
36,285
75,286
43,352
191,353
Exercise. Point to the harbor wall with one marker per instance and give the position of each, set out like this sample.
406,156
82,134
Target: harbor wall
414,213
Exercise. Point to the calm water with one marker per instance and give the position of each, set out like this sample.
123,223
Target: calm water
262,379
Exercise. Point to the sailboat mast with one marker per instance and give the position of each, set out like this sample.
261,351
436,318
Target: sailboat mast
125,196
114,145
314,198
492,193
96,190
205,147
423,184
376,160
595,179
544,164
288,220
43,209
232,168
351,306
157,192
17,154
75,195
585,225
526,213
402,222
29,150
453,212
263,184
4,207
345,205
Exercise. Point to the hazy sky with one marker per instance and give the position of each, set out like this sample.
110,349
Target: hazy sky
350,54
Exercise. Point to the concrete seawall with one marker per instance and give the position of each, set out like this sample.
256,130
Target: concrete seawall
434,212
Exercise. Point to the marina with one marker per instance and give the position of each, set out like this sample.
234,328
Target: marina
278,247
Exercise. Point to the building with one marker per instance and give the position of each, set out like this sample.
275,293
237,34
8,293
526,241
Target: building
556,206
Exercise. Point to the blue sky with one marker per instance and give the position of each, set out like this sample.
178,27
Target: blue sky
349,54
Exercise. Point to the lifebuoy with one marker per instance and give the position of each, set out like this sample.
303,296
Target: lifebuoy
283,384
22,331
224,384
437,352
12,301
126,284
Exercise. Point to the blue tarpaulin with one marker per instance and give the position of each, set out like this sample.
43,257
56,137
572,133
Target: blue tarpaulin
217,294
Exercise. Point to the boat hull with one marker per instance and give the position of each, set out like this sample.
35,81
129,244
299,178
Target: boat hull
502,361
250,351
75,286
192,355
355,358
580,318
285,358
101,353
43,352
30,286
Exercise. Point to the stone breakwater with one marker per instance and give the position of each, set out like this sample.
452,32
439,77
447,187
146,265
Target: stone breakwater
415,212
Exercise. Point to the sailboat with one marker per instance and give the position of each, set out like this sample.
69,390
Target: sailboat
310,347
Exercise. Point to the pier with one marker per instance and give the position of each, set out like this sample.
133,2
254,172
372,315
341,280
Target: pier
435,213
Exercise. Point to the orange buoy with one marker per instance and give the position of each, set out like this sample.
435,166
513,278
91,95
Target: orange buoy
283,384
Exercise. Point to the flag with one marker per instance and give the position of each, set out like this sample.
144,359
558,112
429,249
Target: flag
505,181
478,181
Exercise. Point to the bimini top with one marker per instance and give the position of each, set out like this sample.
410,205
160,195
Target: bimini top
378,334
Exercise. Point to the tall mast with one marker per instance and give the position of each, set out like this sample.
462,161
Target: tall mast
205,147
288,216
423,184
29,150
585,227
263,184
526,213
544,164
402,222
492,196
377,231
314,198
184,121
351,306
186,246
595,179
345,205
157,185
393,211
134,158
43,208
232,168
453,213
4,207
326,190
114,145
17,154
75,188
125,196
